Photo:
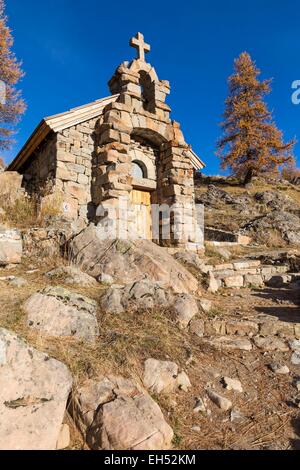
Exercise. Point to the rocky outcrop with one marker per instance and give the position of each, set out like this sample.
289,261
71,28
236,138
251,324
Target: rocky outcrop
114,413
11,247
275,200
128,261
56,311
214,196
33,394
287,224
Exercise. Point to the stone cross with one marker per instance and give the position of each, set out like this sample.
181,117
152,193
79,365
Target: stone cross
138,43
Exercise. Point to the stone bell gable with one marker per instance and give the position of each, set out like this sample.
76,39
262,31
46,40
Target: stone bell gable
136,132
122,148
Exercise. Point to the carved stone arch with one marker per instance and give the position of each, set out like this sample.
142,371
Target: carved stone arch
138,66
156,133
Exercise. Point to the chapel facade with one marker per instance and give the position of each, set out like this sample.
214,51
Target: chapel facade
119,161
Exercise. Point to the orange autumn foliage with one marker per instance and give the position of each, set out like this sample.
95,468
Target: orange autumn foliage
251,143
11,104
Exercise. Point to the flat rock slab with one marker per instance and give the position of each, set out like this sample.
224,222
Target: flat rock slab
128,261
114,413
56,311
11,247
230,342
34,389
270,343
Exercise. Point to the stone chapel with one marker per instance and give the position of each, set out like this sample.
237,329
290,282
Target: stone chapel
123,147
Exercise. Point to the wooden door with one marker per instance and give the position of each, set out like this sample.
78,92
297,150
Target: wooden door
141,201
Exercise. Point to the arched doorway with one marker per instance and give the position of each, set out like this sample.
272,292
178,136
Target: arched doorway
141,200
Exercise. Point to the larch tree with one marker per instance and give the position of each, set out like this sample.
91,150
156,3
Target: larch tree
251,143
11,104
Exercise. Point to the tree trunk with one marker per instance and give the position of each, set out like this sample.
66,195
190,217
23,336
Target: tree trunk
248,177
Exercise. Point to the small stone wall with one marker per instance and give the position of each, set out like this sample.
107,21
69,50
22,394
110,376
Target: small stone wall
246,328
215,237
243,273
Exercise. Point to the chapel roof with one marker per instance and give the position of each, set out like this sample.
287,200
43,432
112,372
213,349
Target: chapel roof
62,121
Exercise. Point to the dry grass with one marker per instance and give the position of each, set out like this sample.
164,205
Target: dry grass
19,213
127,340
25,212
271,239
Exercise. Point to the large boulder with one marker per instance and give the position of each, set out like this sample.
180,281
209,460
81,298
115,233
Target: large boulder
128,261
114,413
11,247
34,389
57,311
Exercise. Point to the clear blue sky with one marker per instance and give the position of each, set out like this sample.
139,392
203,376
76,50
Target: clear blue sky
70,49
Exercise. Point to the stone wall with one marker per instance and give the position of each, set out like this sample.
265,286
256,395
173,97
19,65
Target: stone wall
243,273
39,171
75,150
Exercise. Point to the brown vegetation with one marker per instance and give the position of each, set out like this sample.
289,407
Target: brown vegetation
251,144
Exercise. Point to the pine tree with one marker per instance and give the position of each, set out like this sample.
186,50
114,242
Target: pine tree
251,143
11,104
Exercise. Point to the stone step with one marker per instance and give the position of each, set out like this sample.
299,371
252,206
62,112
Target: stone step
246,327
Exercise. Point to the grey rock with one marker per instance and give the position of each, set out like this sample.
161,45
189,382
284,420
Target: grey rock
197,327
34,389
295,359
163,376
111,302
185,308
18,282
140,295
56,311
270,343
128,261
222,402
279,368
11,247
232,384
199,406
72,275
114,413
287,224
295,344
106,279
230,342
206,305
